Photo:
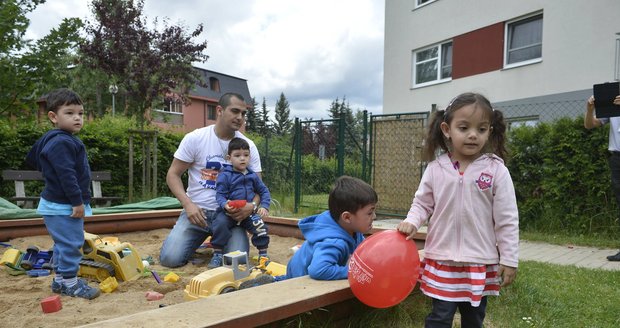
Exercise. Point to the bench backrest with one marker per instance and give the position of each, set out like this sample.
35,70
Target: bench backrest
21,175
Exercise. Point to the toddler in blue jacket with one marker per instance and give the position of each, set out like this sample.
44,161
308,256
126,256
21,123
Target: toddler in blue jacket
235,183
61,157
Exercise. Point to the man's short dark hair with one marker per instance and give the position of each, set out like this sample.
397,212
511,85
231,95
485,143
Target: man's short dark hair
237,143
225,99
349,195
61,97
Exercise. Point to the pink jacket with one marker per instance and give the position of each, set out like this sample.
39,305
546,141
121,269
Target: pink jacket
473,217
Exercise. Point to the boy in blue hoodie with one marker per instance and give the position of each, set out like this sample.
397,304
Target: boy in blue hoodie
238,182
332,236
62,159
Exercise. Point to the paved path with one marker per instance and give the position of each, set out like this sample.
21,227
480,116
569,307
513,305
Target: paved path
584,257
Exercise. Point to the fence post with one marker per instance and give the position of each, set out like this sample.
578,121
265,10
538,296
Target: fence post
365,146
341,127
297,139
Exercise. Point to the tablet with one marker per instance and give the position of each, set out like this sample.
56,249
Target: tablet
604,95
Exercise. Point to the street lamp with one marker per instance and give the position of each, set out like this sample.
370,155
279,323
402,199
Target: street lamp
113,90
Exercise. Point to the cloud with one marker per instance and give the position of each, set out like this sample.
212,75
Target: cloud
313,51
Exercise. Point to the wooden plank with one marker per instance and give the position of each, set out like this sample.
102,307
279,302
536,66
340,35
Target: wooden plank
11,175
244,308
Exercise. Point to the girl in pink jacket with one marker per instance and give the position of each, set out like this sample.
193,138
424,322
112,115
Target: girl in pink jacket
467,198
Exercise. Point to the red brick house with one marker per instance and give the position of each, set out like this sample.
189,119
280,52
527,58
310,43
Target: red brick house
201,112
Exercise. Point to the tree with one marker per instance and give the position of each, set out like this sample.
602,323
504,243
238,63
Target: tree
251,116
262,120
146,65
28,70
283,124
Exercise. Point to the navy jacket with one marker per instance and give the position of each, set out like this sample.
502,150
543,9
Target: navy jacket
62,159
234,185
326,251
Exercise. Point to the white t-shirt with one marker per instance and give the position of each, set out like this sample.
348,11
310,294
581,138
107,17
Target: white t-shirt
206,152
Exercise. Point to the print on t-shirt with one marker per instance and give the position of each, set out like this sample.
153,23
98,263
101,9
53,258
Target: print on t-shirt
208,175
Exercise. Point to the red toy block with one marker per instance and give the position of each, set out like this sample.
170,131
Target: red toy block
153,296
51,304
237,203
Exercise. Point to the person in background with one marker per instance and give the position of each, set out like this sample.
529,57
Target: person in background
202,153
467,197
589,122
61,157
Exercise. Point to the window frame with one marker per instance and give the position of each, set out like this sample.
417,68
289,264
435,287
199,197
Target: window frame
419,3
440,60
508,37
173,106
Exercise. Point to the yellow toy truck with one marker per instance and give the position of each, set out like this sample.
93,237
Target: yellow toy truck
228,277
103,258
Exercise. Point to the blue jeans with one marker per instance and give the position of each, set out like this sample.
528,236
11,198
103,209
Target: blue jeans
68,236
223,226
443,314
185,238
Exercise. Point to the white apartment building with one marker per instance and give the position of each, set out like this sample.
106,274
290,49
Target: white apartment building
534,59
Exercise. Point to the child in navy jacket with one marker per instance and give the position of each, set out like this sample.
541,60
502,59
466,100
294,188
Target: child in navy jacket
61,157
237,182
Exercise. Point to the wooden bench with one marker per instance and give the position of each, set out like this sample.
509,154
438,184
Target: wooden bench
20,176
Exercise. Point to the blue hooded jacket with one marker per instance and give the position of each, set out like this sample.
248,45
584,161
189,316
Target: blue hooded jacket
325,253
235,185
62,159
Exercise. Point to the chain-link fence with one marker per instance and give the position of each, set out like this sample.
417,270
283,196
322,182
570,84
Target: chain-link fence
325,150
396,157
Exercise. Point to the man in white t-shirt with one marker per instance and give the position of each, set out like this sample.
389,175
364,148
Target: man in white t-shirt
202,153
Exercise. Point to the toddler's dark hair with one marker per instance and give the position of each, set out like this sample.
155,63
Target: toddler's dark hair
61,97
435,138
349,195
237,143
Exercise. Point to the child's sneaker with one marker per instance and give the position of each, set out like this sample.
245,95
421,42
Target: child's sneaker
216,261
81,289
56,287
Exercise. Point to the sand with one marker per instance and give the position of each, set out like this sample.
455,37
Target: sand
21,295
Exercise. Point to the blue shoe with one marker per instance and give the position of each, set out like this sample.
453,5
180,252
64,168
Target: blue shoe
216,261
81,289
56,287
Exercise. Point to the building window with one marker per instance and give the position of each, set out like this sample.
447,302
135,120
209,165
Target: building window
173,105
524,41
420,3
215,84
211,112
432,65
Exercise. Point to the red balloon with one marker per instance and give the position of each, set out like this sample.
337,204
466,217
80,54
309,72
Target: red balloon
384,269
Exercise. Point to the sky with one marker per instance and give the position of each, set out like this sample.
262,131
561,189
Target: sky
312,51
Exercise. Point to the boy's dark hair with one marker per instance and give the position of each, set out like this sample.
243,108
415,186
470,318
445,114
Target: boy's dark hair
237,143
349,195
61,97
225,99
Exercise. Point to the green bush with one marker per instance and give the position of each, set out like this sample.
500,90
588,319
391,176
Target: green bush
562,179
106,141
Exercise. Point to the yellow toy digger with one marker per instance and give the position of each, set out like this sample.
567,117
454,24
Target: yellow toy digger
105,258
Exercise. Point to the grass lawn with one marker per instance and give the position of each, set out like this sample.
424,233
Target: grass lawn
544,295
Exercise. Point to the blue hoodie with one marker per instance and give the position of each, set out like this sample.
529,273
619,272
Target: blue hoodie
61,157
325,253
